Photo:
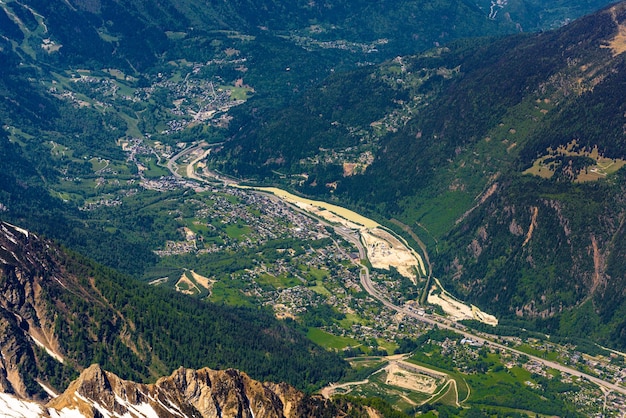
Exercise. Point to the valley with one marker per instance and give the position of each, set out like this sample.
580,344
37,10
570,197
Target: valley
389,209
355,229
309,268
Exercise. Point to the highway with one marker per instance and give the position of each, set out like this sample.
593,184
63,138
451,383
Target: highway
441,322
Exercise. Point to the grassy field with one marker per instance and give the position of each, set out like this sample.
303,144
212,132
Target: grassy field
550,355
153,169
350,320
330,341
438,214
237,231
320,289
221,293
545,166
280,282
314,273
390,347
448,394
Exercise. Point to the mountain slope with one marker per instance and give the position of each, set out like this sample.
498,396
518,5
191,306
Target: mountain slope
61,313
125,33
437,105
286,46
132,34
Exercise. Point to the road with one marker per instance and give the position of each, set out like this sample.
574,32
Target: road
353,236
441,322
189,172
171,164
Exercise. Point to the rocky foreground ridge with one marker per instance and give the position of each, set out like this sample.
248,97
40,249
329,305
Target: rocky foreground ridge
28,280
186,393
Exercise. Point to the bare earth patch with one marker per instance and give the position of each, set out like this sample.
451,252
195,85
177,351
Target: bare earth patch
348,169
533,224
384,250
398,373
282,312
617,44
202,281
186,286
344,213
457,309
412,377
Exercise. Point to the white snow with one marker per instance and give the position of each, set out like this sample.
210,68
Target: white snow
48,390
168,409
18,229
50,352
103,411
143,410
65,413
12,407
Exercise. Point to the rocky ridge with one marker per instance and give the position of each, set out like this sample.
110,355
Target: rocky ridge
26,268
202,393
186,393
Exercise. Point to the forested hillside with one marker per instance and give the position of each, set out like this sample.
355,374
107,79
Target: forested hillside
55,55
84,313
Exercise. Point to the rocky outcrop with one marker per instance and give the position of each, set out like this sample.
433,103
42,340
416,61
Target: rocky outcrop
25,319
202,393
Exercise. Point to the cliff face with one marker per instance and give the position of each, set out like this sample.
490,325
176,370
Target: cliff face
187,393
26,319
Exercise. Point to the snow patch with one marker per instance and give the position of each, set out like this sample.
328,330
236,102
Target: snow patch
65,413
18,229
12,407
50,352
168,409
143,410
103,411
48,389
